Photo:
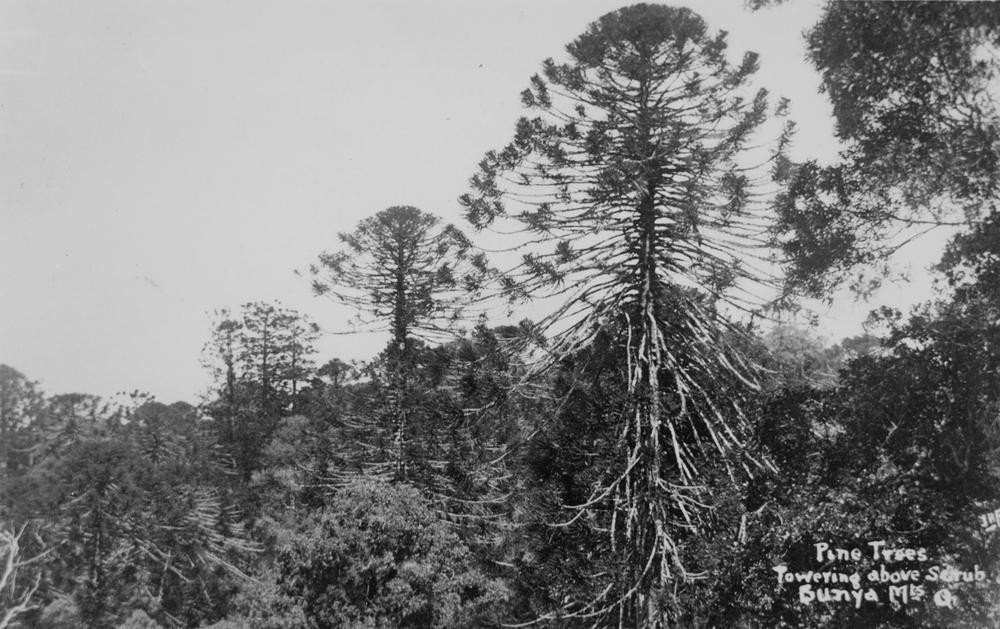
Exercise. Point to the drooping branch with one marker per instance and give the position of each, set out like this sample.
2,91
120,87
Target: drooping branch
17,599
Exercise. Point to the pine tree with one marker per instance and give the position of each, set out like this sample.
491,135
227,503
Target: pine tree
642,216
405,273
258,359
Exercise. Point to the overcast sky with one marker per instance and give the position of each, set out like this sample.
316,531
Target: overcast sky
160,160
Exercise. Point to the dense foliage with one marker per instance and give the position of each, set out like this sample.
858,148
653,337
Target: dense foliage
913,87
642,455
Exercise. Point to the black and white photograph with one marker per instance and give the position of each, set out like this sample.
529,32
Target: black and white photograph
513,314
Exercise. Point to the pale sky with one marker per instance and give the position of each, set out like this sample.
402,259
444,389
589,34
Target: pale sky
161,160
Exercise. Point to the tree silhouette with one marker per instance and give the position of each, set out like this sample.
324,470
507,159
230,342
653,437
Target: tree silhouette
642,215
405,273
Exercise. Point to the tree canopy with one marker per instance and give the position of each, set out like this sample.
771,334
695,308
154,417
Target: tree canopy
913,87
403,271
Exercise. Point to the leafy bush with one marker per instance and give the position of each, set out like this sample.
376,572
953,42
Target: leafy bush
378,556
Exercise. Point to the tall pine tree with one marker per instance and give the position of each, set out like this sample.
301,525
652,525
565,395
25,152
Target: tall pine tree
643,216
406,273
